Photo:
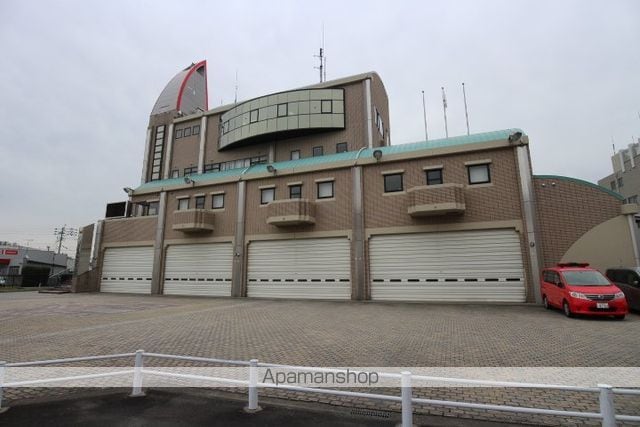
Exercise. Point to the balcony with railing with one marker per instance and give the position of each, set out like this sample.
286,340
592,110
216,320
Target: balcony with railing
430,200
193,220
288,212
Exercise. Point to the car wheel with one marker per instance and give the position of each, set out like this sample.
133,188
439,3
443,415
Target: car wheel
620,317
566,309
545,302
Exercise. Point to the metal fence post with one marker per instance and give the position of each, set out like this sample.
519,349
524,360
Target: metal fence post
2,369
253,407
407,404
137,376
607,410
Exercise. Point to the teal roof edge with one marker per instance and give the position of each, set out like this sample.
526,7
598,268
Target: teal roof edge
334,158
582,182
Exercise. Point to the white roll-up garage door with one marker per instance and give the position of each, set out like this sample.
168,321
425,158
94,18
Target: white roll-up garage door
127,270
483,265
203,269
304,268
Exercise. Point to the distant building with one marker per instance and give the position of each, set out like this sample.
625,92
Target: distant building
14,259
625,179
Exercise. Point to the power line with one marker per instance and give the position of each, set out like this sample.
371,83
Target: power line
62,233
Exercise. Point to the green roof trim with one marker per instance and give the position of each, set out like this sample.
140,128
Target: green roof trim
582,182
338,157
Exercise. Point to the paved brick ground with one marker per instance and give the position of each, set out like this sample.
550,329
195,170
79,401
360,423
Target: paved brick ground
41,326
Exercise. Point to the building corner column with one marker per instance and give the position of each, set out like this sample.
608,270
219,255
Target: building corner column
203,139
168,153
237,273
359,287
158,247
529,209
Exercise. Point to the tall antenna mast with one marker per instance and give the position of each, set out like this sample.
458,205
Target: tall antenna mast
444,107
466,112
424,112
235,101
322,67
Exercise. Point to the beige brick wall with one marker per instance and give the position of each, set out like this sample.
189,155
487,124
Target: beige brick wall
498,201
224,219
380,101
566,211
129,229
331,215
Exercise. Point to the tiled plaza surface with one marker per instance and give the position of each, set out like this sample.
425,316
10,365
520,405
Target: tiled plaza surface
316,333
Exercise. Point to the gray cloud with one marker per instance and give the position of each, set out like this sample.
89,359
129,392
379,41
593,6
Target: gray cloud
78,80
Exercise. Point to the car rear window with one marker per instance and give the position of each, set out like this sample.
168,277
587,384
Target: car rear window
585,278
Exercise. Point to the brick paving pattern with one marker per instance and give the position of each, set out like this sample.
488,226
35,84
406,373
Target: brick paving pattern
40,326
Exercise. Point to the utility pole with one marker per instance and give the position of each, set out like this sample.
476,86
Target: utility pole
466,112
62,233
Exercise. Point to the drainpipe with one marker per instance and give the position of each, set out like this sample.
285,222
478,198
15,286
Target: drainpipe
158,247
203,139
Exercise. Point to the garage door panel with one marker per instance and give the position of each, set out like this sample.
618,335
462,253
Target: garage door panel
202,269
479,265
127,270
303,268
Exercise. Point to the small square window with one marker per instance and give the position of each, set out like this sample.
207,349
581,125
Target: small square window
225,127
152,208
620,183
325,190
183,204
175,173
479,174
200,200
295,191
434,177
393,183
217,201
295,154
253,116
196,130
282,110
187,132
326,106
178,133
267,195
341,147
318,151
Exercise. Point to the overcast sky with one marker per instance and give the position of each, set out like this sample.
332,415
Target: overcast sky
78,80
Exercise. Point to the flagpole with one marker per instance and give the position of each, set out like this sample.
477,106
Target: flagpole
444,107
466,112
424,112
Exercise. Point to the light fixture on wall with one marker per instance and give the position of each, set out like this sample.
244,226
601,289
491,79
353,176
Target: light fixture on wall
271,169
515,137
189,181
377,154
128,190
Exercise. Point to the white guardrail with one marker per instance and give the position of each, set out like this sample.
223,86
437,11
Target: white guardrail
606,393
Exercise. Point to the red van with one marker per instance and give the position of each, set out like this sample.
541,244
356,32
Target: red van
578,289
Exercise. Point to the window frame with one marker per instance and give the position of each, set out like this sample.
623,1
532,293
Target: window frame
196,130
155,205
179,133
485,165
181,201
175,173
299,188
333,190
340,145
200,202
264,191
185,133
257,116
215,197
291,155
313,151
428,180
390,175
324,102
286,110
